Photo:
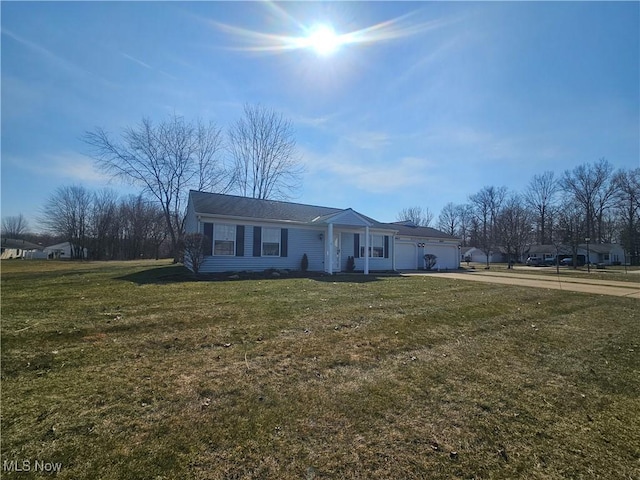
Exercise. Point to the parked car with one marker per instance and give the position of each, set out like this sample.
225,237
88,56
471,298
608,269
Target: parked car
535,262
568,261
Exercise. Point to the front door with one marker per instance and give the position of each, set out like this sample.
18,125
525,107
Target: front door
335,267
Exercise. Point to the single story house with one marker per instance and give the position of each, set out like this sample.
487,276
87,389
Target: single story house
474,254
62,251
16,248
248,234
598,253
605,253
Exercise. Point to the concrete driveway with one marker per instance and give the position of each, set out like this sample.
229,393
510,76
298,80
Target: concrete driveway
561,282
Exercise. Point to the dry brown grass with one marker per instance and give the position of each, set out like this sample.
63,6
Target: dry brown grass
132,370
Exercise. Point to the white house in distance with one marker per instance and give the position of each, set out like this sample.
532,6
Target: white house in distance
62,251
17,248
248,234
474,254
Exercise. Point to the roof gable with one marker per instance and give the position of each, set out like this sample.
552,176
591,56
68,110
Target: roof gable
347,217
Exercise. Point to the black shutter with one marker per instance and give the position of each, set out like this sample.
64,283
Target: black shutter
208,245
257,241
284,241
386,246
239,240
356,245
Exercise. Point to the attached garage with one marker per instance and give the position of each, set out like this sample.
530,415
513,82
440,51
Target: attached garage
412,243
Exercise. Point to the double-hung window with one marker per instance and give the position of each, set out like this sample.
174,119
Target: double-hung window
376,246
224,239
271,242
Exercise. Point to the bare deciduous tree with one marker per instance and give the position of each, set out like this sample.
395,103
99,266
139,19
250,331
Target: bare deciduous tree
465,213
263,151
486,206
415,215
627,184
143,228
449,219
166,160
570,229
66,213
590,186
514,227
104,225
14,226
540,195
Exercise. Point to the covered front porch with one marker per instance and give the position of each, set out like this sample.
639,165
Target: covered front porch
349,234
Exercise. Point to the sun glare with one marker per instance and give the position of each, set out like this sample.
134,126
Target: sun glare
323,40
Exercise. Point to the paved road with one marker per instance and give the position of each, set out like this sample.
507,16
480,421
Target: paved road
599,287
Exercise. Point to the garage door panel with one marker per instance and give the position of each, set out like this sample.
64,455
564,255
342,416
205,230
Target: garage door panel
446,257
406,256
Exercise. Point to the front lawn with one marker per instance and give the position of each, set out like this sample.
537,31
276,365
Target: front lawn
132,370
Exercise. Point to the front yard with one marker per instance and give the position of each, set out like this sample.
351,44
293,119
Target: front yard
132,370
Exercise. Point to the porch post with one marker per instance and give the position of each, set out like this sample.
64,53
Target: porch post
366,250
329,263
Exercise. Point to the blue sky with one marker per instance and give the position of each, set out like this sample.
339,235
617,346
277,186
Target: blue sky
434,102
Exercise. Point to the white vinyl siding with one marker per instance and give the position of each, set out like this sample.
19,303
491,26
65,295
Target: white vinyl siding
224,239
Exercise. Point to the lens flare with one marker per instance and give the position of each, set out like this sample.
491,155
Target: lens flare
322,38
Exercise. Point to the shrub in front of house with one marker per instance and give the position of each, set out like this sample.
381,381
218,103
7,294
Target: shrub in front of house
351,264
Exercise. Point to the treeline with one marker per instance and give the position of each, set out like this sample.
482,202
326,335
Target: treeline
99,225
591,203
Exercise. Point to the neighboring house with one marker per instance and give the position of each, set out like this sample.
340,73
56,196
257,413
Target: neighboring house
547,253
605,253
474,254
15,248
62,251
412,243
251,234
599,253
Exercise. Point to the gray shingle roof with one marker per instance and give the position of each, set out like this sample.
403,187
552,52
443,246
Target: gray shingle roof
235,206
409,229
18,243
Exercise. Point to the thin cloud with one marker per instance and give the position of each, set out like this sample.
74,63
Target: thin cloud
146,65
369,140
390,175
70,166
53,58
135,60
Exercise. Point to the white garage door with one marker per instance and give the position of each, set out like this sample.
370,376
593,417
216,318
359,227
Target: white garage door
406,256
447,256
